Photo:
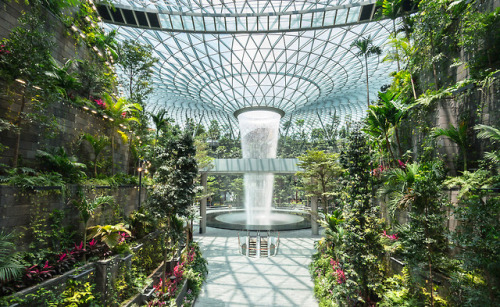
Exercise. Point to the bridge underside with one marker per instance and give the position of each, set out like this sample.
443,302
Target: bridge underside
241,166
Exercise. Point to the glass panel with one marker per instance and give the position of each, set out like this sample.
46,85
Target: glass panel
242,23
209,23
263,25
273,22
188,23
341,16
295,23
318,19
231,23
329,17
306,20
176,22
252,23
353,14
284,22
220,24
198,23
165,21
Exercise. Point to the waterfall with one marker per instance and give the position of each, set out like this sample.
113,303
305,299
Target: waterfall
259,139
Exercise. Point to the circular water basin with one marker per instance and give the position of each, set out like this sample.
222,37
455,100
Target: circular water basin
278,220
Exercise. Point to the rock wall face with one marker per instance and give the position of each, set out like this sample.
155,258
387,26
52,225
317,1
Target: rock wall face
60,123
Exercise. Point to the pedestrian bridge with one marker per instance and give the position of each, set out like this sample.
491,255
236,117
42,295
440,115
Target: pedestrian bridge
241,166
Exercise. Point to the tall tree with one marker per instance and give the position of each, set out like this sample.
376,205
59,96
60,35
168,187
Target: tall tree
175,188
318,176
366,49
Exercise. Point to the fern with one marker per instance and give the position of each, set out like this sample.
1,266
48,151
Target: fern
10,266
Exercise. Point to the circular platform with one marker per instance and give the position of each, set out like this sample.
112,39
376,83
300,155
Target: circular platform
278,220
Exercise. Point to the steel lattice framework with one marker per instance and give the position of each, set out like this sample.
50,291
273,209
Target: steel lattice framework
216,57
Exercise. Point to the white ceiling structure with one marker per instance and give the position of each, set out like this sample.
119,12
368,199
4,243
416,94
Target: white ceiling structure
216,57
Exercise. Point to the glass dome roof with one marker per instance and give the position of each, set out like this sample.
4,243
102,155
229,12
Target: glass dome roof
216,57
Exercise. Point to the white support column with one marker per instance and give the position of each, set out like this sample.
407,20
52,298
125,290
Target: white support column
314,215
203,204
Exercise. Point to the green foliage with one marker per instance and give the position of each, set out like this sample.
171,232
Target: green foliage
29,47
320,171
418,189
458,135
87,207
397,291
59,161
77,294
477,237
10,264
62,236
27,178
98,144
176,170
108,234
136,62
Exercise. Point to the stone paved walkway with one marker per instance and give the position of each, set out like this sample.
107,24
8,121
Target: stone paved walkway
235,280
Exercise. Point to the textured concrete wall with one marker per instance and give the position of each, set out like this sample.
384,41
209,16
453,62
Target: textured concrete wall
18,208
70,122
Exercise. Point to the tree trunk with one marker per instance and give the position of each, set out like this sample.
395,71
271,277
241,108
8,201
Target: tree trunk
17,123
389,147
413,87
399,144
434,70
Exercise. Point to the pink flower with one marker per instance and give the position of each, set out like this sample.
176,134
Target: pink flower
124,114
340,276
402,165
390,237
92,243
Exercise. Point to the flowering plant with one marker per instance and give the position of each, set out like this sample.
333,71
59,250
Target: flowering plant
337,271
100,103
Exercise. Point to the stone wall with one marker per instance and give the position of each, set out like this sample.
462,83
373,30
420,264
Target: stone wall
66,47
64,123
19,208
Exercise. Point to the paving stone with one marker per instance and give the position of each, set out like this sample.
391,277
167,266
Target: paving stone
235,280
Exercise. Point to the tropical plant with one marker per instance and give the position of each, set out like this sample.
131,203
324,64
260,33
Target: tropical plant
418,189
392,10
458,135
320,169
26,58
122,114
98,144
493,135
108,234
10,265
366,48
175,187
59,161
87,207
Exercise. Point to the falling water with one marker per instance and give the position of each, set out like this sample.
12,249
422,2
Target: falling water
259,139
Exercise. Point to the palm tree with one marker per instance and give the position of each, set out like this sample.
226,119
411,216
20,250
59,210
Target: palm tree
161,121
366,49
458,135
98,143
122,112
